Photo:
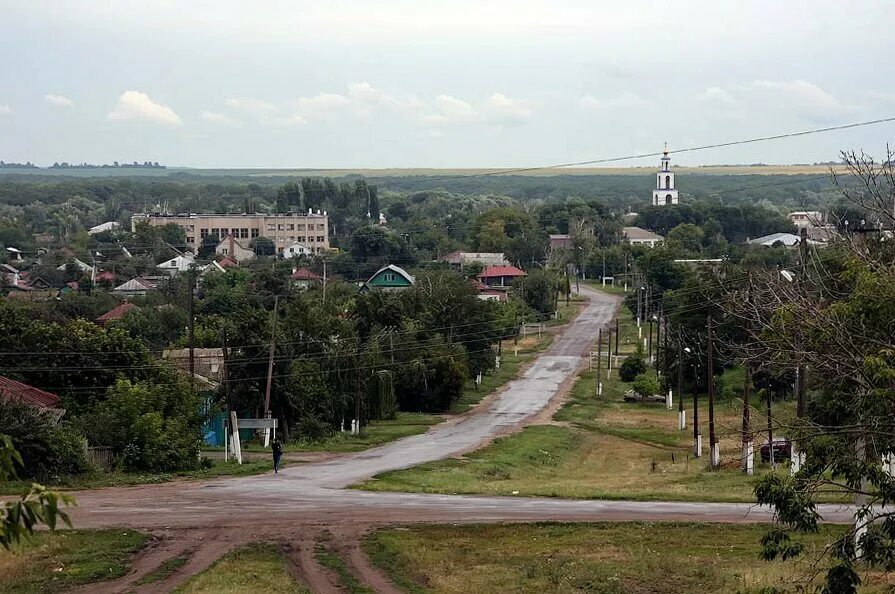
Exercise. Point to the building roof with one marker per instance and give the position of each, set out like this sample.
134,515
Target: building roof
788,239
561,240
460,257
227,262
105,276
137,284
500,271
304,274
640,234
14,391
397,270
110,226
116,313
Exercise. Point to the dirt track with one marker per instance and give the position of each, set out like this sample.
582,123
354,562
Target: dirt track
294,507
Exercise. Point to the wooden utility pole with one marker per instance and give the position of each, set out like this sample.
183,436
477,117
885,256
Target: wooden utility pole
599,386
191,329
665,362
797,455
770,432
697,435
617,334
714,446
649,340
609,351
273,348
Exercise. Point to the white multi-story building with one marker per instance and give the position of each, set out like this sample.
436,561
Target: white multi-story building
665,193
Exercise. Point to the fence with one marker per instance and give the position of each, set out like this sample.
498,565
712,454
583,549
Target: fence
101,457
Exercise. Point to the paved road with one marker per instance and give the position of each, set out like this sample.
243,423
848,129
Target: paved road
317,493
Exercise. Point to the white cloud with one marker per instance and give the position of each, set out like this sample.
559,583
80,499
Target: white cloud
58,100
455,109
627,99
219,118
502,109
793,98
134,105
804,95
321,105
719,96
251,105
5,109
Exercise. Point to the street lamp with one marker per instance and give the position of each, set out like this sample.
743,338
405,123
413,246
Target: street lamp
697,434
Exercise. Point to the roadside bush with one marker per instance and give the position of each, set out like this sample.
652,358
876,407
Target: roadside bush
631,367
730,384
154,427
646,384
48,450
312,430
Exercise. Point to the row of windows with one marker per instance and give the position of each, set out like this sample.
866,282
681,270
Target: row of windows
293,227
242,233
302,239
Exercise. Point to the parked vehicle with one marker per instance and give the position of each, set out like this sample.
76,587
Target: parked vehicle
782,450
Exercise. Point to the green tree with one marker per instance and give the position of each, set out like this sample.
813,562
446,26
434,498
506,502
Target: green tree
263,246
631,367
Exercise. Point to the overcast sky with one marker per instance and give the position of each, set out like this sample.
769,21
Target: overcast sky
342,83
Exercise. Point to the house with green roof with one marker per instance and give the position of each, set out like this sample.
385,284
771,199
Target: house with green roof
390,278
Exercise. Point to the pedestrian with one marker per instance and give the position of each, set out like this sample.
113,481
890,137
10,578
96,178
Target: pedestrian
277,448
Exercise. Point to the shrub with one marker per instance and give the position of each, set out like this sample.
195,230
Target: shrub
153,427
631,367
312,430
48,450
646,384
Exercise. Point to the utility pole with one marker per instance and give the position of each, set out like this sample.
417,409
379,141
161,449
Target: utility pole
639,306
770,432
273,348
617,334
324,279
649,342
748,455
681,413
697,435
609,353
599,362
665,358
714,446
798,457
192,329
357,389
226,378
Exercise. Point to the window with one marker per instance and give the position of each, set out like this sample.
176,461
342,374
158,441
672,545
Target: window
191,239
190,228
244,233
320,238
667,182
271,227
389,276
215,231
255,232
321,227
280,227
281,240
301,227
292,238
203,233
301,239
290,227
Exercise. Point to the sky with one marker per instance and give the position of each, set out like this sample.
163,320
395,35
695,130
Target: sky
375,84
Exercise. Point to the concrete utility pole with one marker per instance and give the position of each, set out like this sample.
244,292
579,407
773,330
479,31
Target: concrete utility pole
748,447
226,379
617,334
191,329
599,362
681,413
697,434
669,402
714,446
798,457
609,353
649,342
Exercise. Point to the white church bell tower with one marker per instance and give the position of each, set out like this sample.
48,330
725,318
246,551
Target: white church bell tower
665,194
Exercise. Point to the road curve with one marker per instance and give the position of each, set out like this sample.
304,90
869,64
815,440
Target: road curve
317,493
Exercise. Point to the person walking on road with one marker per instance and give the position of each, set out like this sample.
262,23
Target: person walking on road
277,448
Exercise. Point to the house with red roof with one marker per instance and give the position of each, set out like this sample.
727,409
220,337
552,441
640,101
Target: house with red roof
115,313
13,391
500,276
303,277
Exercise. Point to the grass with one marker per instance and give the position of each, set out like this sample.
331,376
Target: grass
98,480
327,558
600,558
57,561
168,567
253,568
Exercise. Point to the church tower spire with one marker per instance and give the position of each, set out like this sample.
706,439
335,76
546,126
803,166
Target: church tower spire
665,193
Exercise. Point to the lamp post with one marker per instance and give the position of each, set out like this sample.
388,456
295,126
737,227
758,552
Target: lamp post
697,434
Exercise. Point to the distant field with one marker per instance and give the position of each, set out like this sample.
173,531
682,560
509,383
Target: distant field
421,172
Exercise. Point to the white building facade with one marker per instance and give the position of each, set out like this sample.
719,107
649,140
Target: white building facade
665,193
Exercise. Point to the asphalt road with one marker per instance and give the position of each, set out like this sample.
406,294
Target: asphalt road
317,493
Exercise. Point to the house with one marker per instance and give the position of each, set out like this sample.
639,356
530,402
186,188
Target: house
459,259
13,391
177,264
116,313
639,236
296,249
69,288
227,262
500,276
561,242
786,239
137,286
235,250
807,218
14,254
390,277
208,364
105,277
110,226
487,293
82,266
302,277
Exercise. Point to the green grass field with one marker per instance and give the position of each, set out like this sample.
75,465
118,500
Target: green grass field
55,562
602,558
253,568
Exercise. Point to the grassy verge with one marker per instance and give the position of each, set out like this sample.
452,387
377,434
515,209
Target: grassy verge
164,570
332,561
254,568
54,562
604,558
98,480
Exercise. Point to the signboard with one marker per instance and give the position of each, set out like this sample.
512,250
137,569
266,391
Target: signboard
257,423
